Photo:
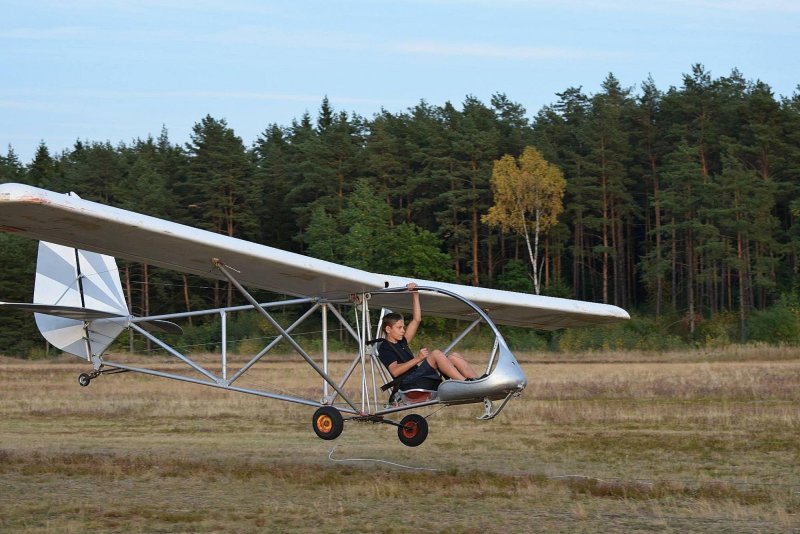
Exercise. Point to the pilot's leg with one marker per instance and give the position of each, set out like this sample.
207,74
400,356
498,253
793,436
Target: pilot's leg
441,363
462,365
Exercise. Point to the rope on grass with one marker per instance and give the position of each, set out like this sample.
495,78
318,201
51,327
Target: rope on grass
331,458
580,477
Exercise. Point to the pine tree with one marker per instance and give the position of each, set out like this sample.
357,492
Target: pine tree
474,140
11,170
612,207
219,186
560,132
18,334
685,187
93,171
272,153
742,210
789,186
218,180
649,148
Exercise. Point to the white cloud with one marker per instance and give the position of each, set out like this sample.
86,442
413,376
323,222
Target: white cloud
494,51
26,105
252,35
55,33
624,6
156,6
254,96
761,6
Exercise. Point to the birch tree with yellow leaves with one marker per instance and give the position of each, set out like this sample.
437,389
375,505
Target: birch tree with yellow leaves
528,193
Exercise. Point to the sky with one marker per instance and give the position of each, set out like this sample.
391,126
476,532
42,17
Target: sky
113,70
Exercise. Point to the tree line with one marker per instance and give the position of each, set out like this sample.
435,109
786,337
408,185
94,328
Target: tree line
680,203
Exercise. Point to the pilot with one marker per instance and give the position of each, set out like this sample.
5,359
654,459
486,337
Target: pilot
426,369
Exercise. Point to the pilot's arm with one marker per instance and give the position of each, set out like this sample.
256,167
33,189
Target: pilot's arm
397,368
416,313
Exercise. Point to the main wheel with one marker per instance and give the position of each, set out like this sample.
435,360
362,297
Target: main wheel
328,422
413,430
84,379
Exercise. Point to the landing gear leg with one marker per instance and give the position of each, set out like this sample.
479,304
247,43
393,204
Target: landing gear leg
84,379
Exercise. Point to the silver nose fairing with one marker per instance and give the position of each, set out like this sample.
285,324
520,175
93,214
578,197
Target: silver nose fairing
505,379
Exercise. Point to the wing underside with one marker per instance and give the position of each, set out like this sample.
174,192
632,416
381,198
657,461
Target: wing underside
73,222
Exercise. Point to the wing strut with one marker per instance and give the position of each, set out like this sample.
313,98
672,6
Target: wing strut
224,270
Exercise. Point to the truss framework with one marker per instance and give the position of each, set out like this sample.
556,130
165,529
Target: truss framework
362,400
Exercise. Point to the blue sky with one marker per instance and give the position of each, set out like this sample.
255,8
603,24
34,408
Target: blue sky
112,70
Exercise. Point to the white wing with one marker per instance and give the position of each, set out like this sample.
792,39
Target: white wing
70,221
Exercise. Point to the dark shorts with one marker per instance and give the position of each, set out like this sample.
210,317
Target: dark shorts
423,377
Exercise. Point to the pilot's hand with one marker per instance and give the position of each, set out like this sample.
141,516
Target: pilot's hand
411,286
423,354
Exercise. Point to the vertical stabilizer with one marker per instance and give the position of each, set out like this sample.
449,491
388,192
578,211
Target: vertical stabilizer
79,279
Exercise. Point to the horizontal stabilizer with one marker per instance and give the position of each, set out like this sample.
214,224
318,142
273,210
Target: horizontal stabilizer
68,312
160,326
85,314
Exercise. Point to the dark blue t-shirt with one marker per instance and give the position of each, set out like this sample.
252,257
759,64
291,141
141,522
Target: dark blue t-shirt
422,376
388,354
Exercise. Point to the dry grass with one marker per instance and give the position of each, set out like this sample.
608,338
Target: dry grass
686,444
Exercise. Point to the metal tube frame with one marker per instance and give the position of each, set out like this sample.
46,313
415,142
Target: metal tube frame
223,382
225,272
274,342
267,394
369,401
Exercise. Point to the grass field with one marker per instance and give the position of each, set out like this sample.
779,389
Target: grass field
704,441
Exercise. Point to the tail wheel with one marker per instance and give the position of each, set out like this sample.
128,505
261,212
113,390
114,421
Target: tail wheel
84,379
413,430
328,422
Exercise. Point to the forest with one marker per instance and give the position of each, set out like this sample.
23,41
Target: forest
681,205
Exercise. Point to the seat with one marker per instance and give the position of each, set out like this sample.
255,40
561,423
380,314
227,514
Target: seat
413,396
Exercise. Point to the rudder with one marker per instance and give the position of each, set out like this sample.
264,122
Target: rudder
77,278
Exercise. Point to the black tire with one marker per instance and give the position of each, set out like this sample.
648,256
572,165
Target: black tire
84,379
328,422
413,430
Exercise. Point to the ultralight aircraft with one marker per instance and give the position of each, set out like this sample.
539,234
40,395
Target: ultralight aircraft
80,308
